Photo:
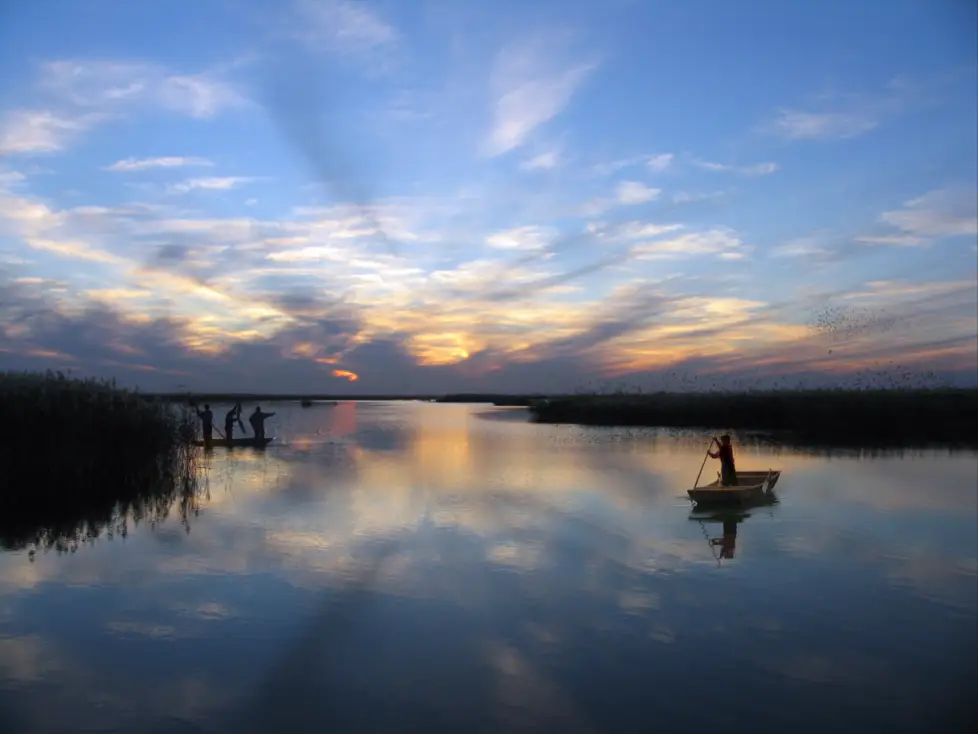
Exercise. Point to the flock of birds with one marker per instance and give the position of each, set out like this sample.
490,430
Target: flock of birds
841,325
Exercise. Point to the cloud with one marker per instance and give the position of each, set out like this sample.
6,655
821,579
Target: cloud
528,88
105,84
521,238
637,230
72,249
757,169
656,163
892,239
541,162
108,85
222,183
627,193
948,212
839,116
800,125
241,299
659,163
346,27
639,332
718,241
198,96
944,213
10,178
802,247
142,164
41,131
606,169
689,197
635,192
86,93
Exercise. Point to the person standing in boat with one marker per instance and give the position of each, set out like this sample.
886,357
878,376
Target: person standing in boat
257,420
728,470
207,424
229,419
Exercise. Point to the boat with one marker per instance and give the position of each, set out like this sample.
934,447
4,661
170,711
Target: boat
306,403
751,487
244,441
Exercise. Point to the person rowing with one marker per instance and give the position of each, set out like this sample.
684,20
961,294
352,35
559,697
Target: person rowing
257,420
724,452
232,416
207,424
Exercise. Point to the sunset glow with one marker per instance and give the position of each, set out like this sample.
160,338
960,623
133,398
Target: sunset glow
547,204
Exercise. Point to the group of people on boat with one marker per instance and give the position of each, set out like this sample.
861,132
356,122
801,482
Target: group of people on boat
256,419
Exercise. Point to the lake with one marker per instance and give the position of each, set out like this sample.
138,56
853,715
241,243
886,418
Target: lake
446,568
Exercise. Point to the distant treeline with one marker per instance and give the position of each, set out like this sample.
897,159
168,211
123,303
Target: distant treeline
495,399
198,398
861,417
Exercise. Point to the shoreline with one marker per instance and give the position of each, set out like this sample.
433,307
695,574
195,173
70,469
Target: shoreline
891,417
505,399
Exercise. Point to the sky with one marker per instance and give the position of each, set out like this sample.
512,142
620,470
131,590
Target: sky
417,196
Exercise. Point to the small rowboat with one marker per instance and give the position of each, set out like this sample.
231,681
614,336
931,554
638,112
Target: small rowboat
244,441
752,486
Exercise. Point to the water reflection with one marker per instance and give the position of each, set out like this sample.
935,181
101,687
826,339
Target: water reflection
724,546
388,567
66,526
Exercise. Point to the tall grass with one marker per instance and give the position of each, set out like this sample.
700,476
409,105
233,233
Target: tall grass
82,457
866,417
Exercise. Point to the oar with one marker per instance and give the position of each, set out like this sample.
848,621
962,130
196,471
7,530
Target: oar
712,441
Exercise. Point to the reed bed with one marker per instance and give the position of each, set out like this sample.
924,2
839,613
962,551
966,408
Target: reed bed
867,417
82,457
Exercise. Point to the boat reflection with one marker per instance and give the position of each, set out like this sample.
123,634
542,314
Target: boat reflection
724,546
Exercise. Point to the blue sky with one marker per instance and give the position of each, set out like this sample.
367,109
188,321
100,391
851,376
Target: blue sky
505,196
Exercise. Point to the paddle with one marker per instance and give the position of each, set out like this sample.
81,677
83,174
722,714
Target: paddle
712,441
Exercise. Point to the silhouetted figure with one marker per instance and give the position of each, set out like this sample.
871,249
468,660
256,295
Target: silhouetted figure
229,419
728,470
257,420
207,421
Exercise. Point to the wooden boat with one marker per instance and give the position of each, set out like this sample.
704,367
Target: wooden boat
752,486
244,441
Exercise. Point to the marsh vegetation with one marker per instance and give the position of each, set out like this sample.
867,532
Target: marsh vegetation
79,458
866,417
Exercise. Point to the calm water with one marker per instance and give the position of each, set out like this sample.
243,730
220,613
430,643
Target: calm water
422,567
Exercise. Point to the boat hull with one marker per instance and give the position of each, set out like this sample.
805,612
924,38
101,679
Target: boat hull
244,442
752,487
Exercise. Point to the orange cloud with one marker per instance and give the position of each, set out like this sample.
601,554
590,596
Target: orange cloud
351,376
48,354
